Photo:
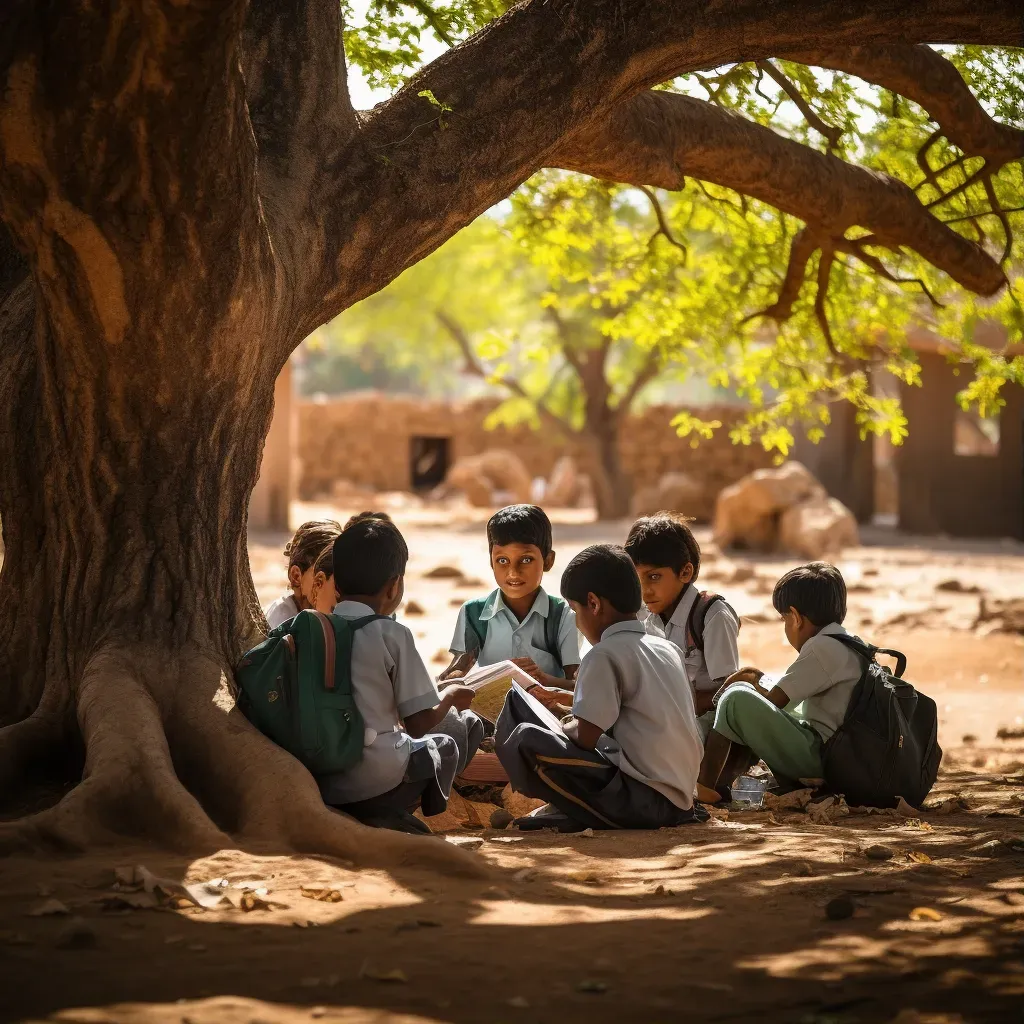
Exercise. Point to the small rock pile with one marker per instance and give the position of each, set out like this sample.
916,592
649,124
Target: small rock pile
783,510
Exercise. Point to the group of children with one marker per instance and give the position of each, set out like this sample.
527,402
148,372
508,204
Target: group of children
663,717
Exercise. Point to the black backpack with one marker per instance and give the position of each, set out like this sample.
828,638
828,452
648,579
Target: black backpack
695,620
887,746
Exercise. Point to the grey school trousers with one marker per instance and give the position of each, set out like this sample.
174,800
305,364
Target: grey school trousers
581,783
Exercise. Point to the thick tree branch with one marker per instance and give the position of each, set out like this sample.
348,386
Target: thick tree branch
649,369
472,365
542,72
923,75
657,138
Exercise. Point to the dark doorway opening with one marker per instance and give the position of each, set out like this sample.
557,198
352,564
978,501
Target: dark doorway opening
428,462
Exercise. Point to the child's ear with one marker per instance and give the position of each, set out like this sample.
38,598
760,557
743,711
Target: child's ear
593,604
686,573
549,561
294,576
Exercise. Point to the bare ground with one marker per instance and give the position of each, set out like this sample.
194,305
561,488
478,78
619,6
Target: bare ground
725,921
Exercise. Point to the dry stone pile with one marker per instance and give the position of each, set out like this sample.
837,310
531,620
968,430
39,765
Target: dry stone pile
492,478
786,510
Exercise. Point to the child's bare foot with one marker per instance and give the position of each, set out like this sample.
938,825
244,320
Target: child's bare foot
706,795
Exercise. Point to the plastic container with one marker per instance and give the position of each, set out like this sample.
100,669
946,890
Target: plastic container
750,789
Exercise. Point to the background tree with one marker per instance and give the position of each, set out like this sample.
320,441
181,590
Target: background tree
188,193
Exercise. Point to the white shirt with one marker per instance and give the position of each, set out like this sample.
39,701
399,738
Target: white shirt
721,656
508,638
633,687
820,682
280,611
389,683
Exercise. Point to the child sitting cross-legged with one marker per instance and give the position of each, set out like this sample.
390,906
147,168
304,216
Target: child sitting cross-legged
787,725
519,622
628,756
415,741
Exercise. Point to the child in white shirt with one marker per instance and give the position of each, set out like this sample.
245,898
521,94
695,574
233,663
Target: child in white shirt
301,551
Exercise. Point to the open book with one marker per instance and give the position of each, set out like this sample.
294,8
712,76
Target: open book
492,683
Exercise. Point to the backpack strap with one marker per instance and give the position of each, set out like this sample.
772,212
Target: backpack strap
695,620
476,627
869,651
552,627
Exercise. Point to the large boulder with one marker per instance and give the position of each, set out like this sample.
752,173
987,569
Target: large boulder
748,513
817,527
676,492
490,478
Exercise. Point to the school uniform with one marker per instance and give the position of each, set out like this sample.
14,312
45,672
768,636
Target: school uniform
508,638
278,612
819,685
720,658
642,774
397,771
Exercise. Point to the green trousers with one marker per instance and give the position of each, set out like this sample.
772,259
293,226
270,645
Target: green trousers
790,748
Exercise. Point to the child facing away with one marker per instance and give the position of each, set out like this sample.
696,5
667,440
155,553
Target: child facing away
302,551
517,622
415,742
787,725
628,756
667,559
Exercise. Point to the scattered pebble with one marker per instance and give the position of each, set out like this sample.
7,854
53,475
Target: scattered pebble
519,1003
501,818
879,852
592,985
414,608
49,908
839,908
803,870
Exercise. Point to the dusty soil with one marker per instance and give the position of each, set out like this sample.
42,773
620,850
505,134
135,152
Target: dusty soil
724,921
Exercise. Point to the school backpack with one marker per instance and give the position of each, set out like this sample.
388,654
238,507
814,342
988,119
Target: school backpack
296,688
697,617
887,746
476,627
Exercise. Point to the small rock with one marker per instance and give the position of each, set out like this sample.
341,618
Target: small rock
525,875
592,985
49,908
494,893
839,908
76,934
414,608
878,852
803,870
443,572
519,1003
501,818
956,586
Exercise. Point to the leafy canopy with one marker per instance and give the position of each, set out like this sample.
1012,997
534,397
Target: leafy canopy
590,255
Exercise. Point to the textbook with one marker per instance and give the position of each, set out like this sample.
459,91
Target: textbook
491,684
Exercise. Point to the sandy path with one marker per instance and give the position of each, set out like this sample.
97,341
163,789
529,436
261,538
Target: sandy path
724,921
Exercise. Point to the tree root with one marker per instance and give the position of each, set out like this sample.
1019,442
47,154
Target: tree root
134,711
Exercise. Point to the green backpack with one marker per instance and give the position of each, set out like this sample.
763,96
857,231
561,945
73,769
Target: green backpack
476,627
296,688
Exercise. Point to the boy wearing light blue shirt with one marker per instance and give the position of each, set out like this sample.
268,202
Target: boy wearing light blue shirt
520,621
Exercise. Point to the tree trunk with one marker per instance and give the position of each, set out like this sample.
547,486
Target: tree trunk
613,490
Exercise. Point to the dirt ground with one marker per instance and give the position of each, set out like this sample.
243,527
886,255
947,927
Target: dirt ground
759,916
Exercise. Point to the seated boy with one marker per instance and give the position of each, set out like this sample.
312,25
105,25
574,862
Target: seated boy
517,621
667,560
415,742
301,551
628,757
786,726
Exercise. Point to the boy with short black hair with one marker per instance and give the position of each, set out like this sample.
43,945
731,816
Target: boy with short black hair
519,621
703,626
786,726
415,741
628,757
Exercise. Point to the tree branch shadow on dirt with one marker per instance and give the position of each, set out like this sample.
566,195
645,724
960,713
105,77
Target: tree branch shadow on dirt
737,931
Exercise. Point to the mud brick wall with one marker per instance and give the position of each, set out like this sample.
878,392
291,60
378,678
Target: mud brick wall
365,438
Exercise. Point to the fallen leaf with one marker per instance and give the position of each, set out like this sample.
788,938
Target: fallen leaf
587,833
797,800
323,895
819,812
925,914
128,901
918,857
394,974
717,813
49,908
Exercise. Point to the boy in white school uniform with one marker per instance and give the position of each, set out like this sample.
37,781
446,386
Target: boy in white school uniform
628,757
415,741
520,621
702,625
